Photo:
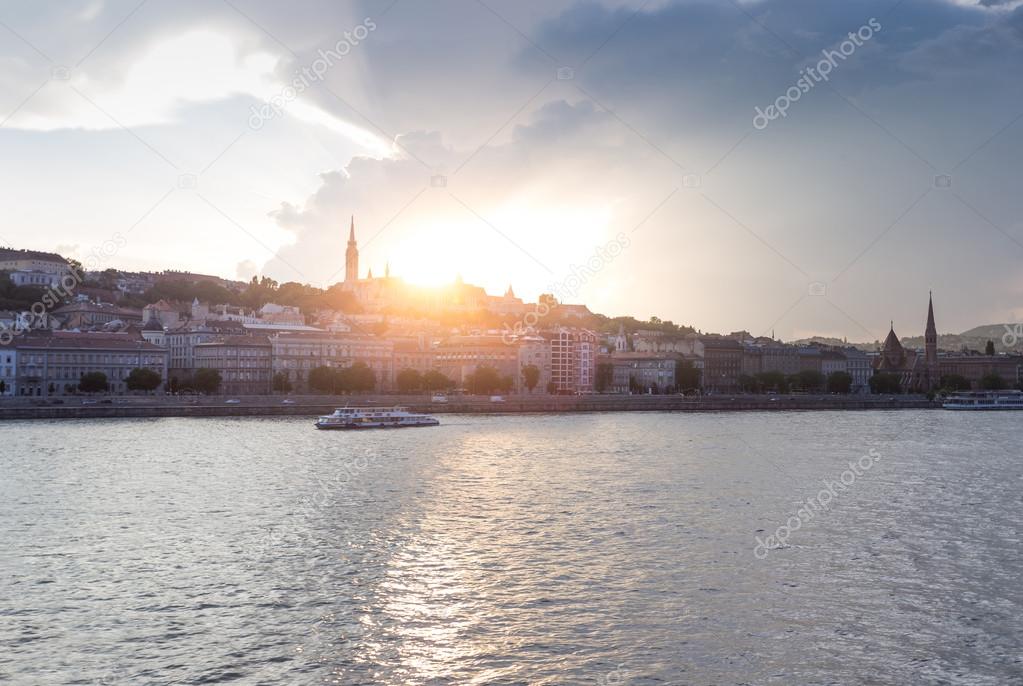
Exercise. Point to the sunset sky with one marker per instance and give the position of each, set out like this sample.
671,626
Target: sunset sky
555,126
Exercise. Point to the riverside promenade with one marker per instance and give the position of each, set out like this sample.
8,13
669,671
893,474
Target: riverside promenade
312,405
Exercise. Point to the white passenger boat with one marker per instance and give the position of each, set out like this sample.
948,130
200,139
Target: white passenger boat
984,400
373,418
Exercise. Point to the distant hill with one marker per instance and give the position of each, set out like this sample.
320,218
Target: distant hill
824,340
973,339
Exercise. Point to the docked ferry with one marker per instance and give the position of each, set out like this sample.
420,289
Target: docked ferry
373,418
985,400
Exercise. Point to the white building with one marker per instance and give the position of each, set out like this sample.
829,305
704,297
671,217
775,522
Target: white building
39,279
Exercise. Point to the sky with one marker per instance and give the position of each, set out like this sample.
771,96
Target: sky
513,142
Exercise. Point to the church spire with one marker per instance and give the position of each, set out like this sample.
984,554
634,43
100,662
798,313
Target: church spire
930,312
352,256
931,339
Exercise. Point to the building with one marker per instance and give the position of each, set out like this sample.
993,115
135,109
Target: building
167,313
244,363
858,366
643,372
180,344
722,364
534,351
916,372
975,366
12,260
573,359
272,313
413,353
8,369
832,361
297,354
52,363
458,356
36,278
90,315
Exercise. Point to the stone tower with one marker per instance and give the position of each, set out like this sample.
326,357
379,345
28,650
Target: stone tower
352,257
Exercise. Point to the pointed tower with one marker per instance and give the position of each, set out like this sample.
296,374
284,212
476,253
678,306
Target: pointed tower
931,336
352,256
509,293
931,370
387,270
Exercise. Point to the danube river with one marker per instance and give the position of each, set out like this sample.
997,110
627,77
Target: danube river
635,548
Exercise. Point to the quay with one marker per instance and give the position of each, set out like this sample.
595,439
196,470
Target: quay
312,405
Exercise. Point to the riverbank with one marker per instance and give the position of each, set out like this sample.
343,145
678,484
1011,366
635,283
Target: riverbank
76,408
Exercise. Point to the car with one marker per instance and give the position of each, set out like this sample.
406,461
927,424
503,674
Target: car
497,398
88,402
439,398
232,401
287,401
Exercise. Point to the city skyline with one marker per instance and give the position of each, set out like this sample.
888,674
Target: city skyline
236,140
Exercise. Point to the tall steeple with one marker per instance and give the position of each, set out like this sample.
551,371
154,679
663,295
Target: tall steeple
931,337
352,256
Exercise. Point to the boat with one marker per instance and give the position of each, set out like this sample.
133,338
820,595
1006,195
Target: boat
984,400
344,418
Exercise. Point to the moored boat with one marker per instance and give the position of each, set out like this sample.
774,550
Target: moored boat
344,418
984,400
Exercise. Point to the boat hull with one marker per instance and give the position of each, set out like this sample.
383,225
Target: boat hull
364,427
960,408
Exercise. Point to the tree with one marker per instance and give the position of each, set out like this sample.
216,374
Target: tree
531,375
409,380
507,383
954,382
93,382
885,383
748,384
324,379
358,378
772,381
687,376
281,383
483,381
992,382
840,382
989,349
809,380
142,379
207,381
436,381
552,388
3,387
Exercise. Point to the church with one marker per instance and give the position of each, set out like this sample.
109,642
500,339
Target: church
380,293
372,293
916,373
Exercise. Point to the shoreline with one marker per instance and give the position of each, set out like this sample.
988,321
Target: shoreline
310,406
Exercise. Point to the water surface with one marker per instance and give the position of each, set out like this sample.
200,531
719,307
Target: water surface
578,549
